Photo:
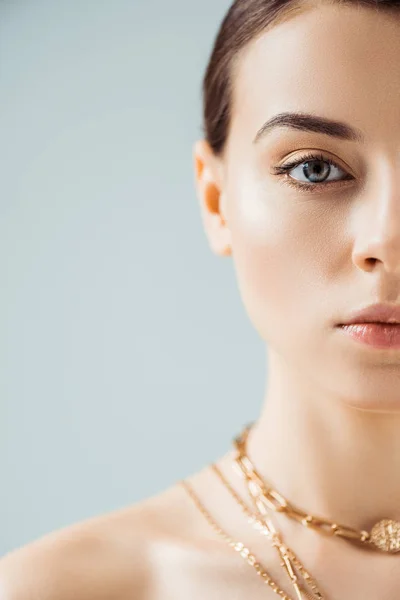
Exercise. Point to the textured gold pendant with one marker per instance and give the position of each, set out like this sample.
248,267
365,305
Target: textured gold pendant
386,535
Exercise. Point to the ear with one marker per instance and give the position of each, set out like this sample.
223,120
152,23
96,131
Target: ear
211,196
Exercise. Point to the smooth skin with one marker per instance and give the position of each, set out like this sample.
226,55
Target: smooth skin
328,433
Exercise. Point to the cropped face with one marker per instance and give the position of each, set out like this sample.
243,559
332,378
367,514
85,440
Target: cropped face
309,210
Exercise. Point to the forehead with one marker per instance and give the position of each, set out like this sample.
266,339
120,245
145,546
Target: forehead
338,61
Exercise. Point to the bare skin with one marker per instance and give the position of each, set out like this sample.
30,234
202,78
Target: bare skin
328,433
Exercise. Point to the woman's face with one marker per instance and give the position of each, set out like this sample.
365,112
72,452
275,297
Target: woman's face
307,255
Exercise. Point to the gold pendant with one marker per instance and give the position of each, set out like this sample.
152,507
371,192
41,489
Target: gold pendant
386,535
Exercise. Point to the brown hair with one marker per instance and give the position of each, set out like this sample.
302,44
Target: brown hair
245,21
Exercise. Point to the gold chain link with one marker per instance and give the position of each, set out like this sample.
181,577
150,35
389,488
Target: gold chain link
238,546
258,524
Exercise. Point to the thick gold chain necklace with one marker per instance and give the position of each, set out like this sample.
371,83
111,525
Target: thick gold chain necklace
385,535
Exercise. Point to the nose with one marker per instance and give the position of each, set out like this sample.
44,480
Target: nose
377,223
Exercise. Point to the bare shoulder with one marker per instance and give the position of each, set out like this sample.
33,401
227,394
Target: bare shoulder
108,556
161,548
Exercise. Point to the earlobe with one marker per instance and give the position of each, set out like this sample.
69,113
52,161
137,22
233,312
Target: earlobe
210,194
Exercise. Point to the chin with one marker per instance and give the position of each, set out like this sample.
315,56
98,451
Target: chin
372,391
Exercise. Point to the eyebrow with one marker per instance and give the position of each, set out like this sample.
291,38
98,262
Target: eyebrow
313,123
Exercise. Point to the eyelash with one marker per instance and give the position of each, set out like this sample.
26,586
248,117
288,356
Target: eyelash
308,187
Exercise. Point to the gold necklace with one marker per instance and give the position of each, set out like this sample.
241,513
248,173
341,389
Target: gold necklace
266,522
385,535
238,546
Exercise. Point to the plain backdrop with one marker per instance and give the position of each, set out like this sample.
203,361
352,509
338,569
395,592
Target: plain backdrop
127,360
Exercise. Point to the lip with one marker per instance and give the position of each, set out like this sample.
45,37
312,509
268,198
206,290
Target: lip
375,313
377,335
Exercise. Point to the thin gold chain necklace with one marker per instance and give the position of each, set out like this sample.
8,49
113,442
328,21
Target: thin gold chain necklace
239,547
385,535
265,521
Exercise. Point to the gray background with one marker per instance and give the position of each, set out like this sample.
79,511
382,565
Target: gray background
127,360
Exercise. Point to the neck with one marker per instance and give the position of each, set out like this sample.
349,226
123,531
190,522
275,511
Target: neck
325,457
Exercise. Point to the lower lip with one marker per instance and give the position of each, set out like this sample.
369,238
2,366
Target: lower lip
377,335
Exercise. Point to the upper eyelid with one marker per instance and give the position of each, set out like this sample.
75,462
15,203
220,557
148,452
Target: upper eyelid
306,156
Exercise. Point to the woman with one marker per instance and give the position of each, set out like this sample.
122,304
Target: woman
298,178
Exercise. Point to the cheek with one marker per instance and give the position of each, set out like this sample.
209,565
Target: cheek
281,255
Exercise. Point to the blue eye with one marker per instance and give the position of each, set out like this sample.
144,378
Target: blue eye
316,169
